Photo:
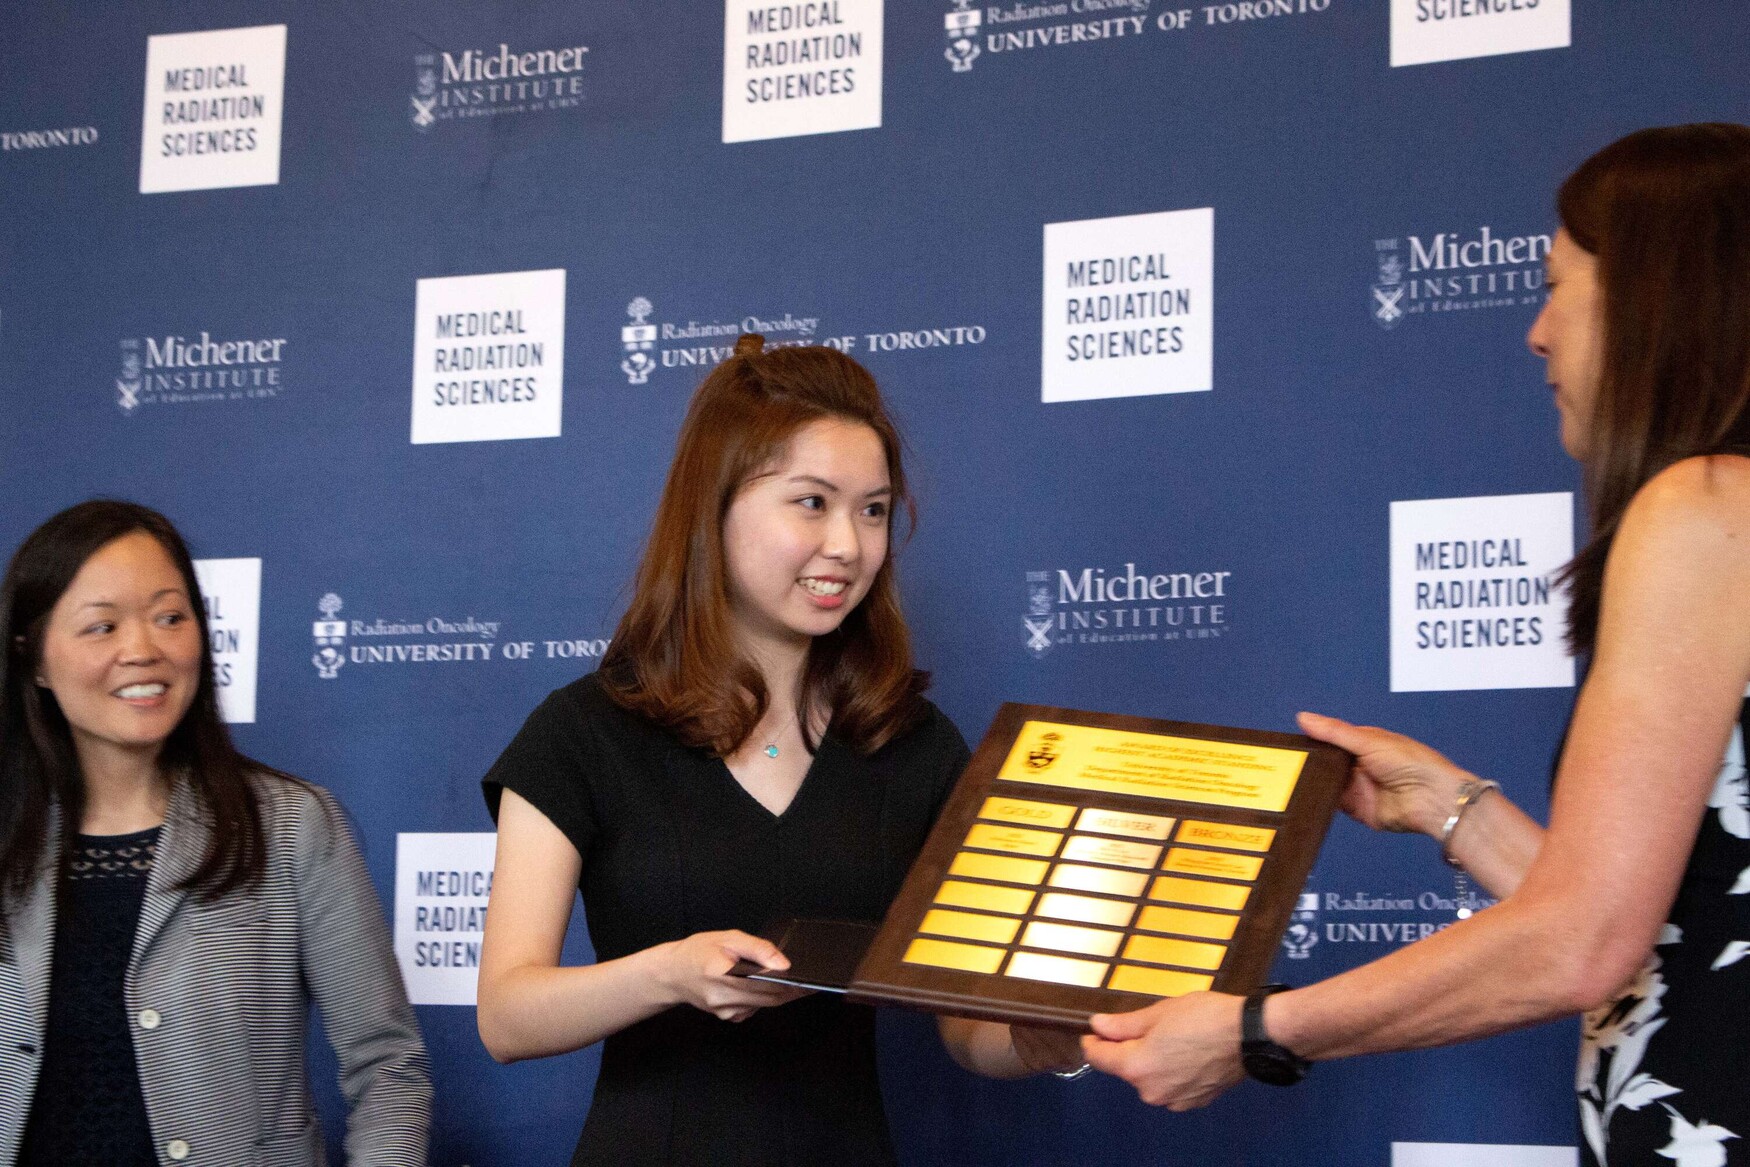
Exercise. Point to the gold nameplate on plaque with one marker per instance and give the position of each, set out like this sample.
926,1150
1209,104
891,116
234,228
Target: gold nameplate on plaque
1160,950
1099,879
1186,922
1058,905
1159,982
970,926
1072,938
1016,840
1063,970
1013,900
1196,891
1088,849
1027,813
1090,863
1152,765
1226,835
998,867
947,954
1188,862
1113,822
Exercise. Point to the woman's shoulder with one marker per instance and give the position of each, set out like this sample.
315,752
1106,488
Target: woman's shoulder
1700,505
287,801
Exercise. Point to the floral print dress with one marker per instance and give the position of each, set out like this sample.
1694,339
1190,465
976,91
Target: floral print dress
1664,1071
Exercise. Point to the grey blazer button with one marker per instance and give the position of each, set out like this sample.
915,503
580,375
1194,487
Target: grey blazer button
150,1019
176,1149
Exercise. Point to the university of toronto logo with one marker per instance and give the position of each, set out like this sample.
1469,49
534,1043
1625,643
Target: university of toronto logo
330,638
638,338
961,27
1303,931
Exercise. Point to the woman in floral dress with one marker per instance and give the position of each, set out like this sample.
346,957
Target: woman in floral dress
1633,906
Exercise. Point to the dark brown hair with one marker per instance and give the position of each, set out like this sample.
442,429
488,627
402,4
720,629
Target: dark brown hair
1667,213
38,766
674,657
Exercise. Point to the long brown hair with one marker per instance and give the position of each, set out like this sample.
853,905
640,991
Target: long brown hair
38,766
674,657
1667,213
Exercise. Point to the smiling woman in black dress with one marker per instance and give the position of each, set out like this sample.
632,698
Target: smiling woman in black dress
755,746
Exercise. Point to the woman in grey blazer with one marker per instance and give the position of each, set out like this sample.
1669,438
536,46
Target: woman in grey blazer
169,909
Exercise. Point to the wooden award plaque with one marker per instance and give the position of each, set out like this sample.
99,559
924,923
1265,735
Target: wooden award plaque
1090,863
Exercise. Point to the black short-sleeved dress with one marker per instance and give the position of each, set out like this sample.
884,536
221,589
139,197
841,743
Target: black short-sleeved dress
673,845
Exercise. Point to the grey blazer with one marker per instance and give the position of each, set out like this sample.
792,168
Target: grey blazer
218,997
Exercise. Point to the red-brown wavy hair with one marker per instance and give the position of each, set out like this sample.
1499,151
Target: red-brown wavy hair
674,657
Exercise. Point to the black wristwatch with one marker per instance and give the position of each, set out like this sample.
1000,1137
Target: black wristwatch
1264,1059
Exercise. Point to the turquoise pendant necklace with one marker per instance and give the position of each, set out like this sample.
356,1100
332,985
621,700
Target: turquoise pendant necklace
772,750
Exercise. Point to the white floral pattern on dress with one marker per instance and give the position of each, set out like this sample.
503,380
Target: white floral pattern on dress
1700,1144
1614,1037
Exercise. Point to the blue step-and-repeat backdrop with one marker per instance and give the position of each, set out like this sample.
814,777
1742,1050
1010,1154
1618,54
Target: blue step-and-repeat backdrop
1204,324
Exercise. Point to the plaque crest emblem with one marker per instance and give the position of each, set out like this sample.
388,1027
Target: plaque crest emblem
637,339
1044,753
961,28
330,635
425,96
1388,287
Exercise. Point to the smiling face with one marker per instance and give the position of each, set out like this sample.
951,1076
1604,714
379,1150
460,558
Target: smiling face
804,539
121,651
1569,334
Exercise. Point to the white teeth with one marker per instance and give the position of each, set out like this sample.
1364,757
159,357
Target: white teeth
154,689
824,587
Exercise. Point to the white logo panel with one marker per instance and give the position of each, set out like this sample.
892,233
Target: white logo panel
231,589
1128,306
800,68
1481,1155
442,882
1473,605
489,357
1424,31
214,102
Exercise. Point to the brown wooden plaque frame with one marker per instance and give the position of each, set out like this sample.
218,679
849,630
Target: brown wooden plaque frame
884,977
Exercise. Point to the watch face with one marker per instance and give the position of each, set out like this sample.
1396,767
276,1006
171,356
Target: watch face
1274,1068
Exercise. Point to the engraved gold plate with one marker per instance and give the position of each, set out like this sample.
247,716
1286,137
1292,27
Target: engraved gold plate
1012,900
1185,922
1085,909
1158,982
1070,938
998,867
1028,813
1159,950
1152,765
1229,835
1016,840
1196,891
1117,822
1184,859
948,954
1087,849
968,926
1098,879
1062,970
